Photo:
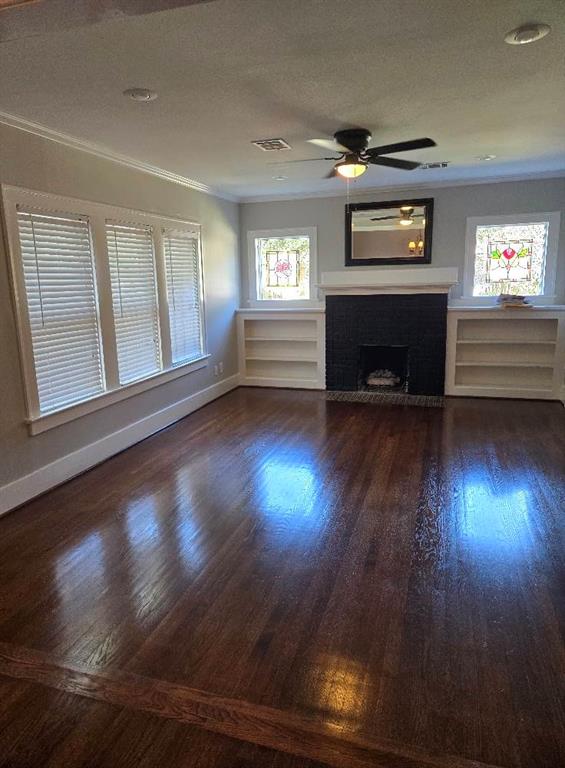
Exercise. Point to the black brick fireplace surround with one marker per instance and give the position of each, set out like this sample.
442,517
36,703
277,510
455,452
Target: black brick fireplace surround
417,321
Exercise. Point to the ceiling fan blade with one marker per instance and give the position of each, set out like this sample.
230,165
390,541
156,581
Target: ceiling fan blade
393,162
385,218
306,160
401,146
329,144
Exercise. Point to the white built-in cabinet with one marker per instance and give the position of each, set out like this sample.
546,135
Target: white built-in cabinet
282,348
491,352
514,353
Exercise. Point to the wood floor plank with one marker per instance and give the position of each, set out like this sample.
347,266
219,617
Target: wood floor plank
50,728
240,720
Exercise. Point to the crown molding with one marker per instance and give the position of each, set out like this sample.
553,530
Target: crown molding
14,121
363,191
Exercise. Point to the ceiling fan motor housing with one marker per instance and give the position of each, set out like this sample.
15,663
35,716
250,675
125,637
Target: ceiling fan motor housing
355,139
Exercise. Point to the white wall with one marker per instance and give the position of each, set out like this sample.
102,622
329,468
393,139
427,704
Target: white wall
452,206
36,163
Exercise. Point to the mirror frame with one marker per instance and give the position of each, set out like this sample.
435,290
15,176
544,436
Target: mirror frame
425,258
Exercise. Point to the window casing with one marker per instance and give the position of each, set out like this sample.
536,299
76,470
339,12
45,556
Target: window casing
514,254
282,267
93,297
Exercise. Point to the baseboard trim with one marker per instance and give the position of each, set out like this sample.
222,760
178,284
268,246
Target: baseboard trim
29,486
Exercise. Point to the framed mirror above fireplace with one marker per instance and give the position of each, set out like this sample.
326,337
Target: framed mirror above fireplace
391,232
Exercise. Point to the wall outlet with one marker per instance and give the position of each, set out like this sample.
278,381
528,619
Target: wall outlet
221,367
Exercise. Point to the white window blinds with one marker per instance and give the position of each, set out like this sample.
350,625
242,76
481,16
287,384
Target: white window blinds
182,263
60,289
134,299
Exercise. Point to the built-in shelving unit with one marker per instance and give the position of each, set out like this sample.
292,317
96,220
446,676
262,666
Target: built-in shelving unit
282,348
515,353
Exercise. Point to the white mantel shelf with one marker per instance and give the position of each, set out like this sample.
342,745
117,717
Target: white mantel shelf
375,281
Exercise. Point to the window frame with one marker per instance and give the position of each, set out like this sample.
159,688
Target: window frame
253,267
553,218
97,215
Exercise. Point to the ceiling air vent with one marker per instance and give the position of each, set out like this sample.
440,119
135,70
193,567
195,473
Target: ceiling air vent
429,166
271,145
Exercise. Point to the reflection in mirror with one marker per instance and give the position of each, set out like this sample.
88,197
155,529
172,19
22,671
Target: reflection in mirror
397,232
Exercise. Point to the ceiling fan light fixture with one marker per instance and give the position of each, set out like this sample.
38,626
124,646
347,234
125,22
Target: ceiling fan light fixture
406,221
351,167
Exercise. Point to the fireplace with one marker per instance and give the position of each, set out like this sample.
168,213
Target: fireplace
405,333
383,368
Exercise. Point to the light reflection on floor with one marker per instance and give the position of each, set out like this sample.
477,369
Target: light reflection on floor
148,563
81,582
496,521
291,500
341,688
187,530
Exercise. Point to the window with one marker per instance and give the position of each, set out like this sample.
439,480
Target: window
134,300
109,302
58,271
282,265
511,254
183,293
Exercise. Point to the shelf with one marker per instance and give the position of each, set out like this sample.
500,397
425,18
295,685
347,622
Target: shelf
279,358
281,349
505,341
266,381
478,390
281,338
488,364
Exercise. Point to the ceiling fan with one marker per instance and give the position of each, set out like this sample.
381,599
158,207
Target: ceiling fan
355,155
405,217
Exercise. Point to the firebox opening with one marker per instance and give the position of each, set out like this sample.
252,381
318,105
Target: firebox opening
383,369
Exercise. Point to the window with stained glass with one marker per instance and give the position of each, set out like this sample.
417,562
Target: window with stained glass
283,268
510,259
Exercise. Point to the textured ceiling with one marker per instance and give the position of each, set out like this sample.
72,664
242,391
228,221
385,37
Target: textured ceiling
232,71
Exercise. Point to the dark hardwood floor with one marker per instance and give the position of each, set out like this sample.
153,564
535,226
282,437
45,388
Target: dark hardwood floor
282,581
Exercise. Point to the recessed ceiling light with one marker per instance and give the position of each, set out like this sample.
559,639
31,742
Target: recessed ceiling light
485,157
527,33
280,178
140,94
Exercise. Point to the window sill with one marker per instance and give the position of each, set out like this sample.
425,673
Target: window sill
50,420
489,302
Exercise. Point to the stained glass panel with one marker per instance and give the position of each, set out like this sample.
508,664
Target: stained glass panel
510,259
283,267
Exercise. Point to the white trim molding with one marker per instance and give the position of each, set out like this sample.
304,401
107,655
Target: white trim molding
57,472
376,281
15,121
